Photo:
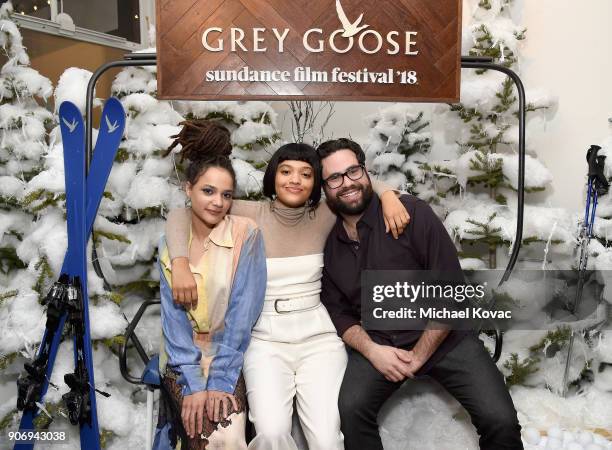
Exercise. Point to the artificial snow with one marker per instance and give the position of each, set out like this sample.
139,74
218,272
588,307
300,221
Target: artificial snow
248,179
48,238
105,320
26,82
72,86
147,192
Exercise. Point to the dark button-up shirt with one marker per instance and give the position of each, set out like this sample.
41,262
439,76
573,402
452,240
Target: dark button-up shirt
424,245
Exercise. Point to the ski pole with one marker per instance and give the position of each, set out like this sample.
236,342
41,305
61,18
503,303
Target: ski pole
597,184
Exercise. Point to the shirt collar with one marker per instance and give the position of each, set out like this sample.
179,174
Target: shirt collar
371,214
369,218
221,235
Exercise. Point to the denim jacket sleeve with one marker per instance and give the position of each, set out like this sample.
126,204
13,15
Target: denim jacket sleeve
183,355
244,306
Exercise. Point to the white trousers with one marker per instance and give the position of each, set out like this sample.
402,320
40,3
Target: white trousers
310,370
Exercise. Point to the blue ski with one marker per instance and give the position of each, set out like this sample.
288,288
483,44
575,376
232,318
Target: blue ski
82,380
111,129
81,400
83,197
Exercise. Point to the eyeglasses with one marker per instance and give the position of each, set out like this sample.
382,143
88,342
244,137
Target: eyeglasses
336,180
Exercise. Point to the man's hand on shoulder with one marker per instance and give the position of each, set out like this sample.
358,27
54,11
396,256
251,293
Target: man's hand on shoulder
395,215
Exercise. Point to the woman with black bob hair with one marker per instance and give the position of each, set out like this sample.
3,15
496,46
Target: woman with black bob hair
294,152
295,352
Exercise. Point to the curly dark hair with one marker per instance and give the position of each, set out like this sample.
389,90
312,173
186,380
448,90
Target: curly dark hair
204,143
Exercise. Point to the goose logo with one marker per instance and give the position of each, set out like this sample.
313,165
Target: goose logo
349,29
111,126
71,125
351,35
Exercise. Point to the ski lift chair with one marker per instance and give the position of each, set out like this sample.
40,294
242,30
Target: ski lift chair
150,376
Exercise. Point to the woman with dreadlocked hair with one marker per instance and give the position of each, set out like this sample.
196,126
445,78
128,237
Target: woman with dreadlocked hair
203,345
295,353
201,138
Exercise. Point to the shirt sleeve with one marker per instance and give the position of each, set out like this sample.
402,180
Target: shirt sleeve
178,223
340,312
183,355
245,305
380,187
437,249
246,208
438,254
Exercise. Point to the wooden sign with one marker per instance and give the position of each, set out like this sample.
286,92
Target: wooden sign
382,50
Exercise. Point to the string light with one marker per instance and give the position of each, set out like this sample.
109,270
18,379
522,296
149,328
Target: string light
136,16
35,8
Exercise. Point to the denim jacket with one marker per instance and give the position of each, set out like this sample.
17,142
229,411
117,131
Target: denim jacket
231,278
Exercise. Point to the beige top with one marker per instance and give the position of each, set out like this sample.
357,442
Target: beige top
286,231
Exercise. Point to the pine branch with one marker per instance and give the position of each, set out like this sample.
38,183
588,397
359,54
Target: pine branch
97,234
105,437
9,258
559,337
144,286
8,294
520,370
45,273
7,360
42,421
8,419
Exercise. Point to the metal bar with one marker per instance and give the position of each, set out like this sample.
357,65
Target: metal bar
88,130
90,93
478,59
139,56
469,63
130,335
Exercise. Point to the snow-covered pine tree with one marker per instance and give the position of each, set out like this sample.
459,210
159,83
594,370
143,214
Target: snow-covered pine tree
396,149
485,127
484,211
24,140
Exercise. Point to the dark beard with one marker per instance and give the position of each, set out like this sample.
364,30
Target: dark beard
338,207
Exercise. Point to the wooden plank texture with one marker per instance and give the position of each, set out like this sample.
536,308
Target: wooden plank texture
183,60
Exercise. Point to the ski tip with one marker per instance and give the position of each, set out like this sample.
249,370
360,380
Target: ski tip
113,116
69,108
114,104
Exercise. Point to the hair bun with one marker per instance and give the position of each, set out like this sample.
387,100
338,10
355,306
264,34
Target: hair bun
202,140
